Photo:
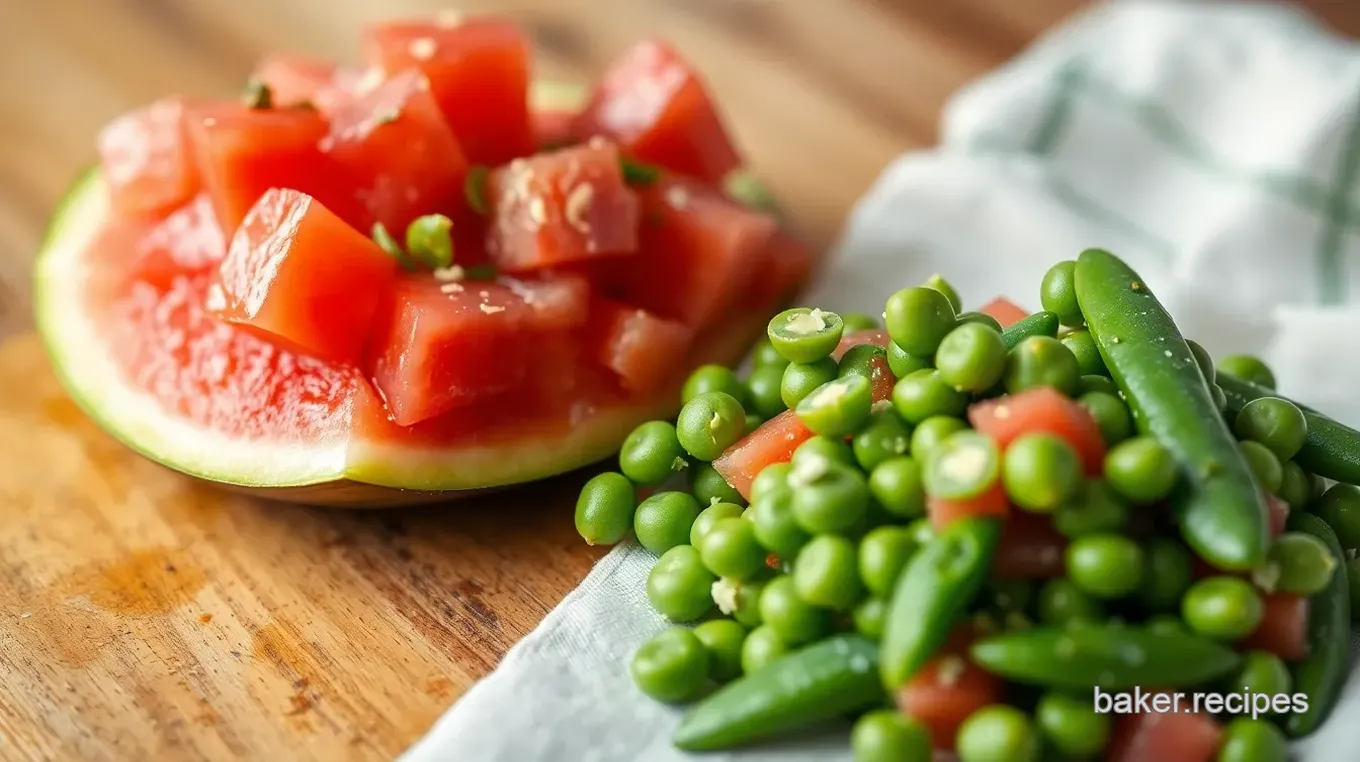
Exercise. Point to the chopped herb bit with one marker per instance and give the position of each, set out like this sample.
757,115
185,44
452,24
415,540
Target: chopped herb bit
389,244
474,188
480,272
305,106
745,188
430,242
258,95
638,174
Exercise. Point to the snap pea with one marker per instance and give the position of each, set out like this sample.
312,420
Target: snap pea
939,582
1330,449
1221,513
1323,672
1112,658
821,682
1038,324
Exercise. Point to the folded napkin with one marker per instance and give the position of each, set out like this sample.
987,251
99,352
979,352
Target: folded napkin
1215,147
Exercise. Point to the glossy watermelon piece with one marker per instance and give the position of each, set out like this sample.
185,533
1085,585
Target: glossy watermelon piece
1170,737
641,348
559,208
303,278
1006,312
478,71
557,300
298,80
1284,627
992,503
948,689
701,252
1030,548
188,240
146,160
552,128
772,442
653,103
1041,410
400,157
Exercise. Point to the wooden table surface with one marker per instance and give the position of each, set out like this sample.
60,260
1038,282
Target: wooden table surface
143,616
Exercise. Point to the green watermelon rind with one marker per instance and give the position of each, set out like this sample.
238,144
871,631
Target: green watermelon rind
138,419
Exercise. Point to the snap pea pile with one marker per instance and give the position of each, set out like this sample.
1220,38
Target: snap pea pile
954,570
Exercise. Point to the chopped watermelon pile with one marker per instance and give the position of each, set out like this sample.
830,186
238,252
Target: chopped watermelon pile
412,250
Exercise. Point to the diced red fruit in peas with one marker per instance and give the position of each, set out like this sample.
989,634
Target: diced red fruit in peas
295,79
1006,312
478,71
1169,737
993,502
552,127
640,347
1284,627
1041,409
651,101
557,300
243,152
1030,548
570,205
699,253
392,142
302,277
188,240
947,690
788,263
446,345
772,442
146,160
1277,514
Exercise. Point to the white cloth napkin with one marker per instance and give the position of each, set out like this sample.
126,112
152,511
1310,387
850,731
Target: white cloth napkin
1215,147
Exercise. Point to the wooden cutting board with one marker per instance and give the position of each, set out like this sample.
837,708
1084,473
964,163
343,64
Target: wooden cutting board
143,616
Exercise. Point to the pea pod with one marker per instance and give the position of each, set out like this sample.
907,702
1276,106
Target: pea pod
821,682
938,584
1112,658
1221,513
1323,672
1331,449
1038,324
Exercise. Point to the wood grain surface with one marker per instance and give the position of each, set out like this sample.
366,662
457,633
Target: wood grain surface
143,616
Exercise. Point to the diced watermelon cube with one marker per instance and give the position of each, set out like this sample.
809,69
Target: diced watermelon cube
146,160
295,79
788,264
992,503
772,442
300,276
1284,627
641,348
1042,409
1006,312
393,143
552,127
478,71
1169,737
556,208
1030,548
557,300
652,102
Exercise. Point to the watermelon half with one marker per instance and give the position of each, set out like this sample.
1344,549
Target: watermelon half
224,406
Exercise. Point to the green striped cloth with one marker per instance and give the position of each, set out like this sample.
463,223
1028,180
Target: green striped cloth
1212,146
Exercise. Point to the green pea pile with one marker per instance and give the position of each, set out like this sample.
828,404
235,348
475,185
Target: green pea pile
905,502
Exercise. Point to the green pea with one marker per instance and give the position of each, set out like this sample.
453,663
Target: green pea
801,379
1276,423
1105,565
1266,467
887,736
671,667
709,486
980,318
971,357
663,520
766,356
828,497
1090,383
710,516
1111,415
837,408
938,283
429,241
1071,725
866,360
1082,345
1247,368
709,424
775,526
918,318
1061,602
821,449
1248,740
762,647
1167,576
794,619
1339,506
1095,510
924,394
1219,397
885,436
963,466
1297,563
896,485
714,378
869,617
1295,485
1058,293
763,388
883,554
722,638
804,335
1204,361
1041,361
772,479
1261,672
903,364
998,733
1225,608
1041,472
744,601
604,511
651,453
679,587
928,435
826,573
1141,469
730,549
858,321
